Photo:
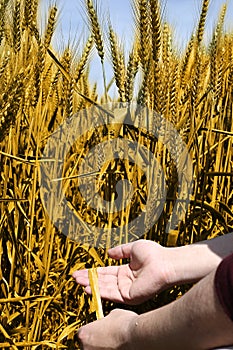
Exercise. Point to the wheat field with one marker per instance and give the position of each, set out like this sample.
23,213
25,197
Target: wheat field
41,306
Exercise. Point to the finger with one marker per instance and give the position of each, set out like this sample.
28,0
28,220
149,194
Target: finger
80,273
108,293
84,281
121,252
108,282
81,336
109,288
102,280
108,270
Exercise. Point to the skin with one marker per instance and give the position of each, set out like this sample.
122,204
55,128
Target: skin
195,321
153,268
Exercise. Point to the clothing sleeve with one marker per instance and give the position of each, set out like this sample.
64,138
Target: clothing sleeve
224,284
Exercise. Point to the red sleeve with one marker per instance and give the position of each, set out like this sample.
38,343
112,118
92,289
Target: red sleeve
224,285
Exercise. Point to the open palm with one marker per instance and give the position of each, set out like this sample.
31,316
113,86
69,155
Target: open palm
133,283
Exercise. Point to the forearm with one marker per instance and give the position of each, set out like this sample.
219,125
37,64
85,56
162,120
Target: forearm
192,262
195,321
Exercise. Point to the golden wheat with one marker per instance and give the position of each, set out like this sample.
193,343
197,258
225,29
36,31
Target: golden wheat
41,306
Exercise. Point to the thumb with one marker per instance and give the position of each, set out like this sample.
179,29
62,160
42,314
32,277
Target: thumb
120,252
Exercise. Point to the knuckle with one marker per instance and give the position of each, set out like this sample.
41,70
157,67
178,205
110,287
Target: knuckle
82,334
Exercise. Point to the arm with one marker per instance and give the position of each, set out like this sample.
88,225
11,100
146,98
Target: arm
153,268
193,262
196,321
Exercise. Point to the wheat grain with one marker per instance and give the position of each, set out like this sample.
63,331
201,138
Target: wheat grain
37,92
202,21
118,64
50,26
143,23
95,28
17,26
155,28
132,69
83,60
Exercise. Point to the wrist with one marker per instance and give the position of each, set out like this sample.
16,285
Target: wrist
125,321
190,263
133,338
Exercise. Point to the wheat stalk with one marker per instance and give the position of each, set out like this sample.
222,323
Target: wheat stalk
93,280
38,90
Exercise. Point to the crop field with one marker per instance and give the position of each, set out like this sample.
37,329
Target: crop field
41,307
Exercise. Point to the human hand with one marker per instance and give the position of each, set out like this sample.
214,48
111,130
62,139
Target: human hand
148,273
111,332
